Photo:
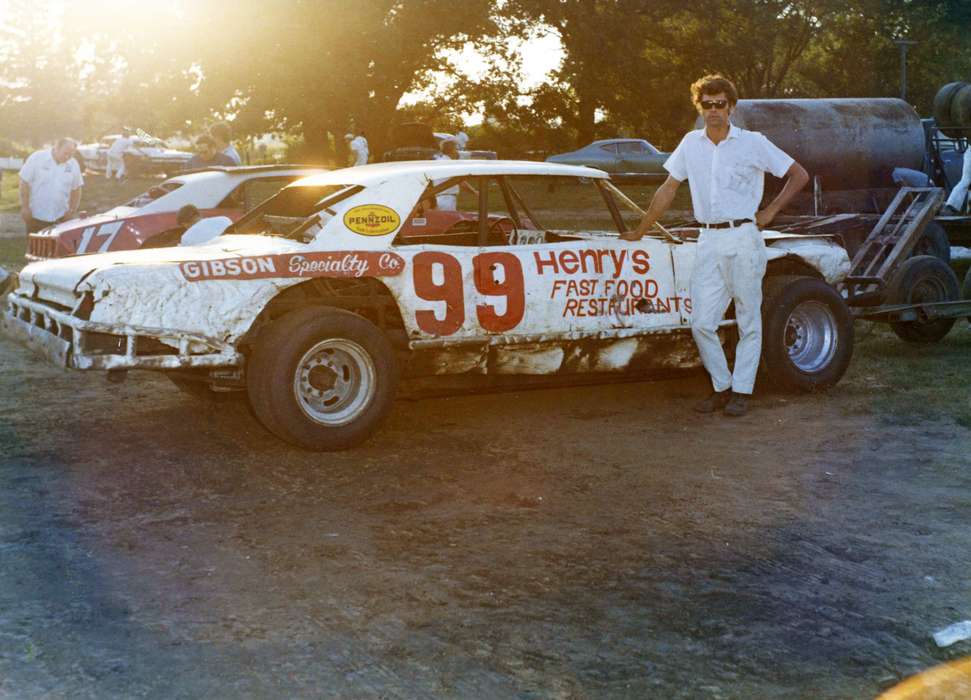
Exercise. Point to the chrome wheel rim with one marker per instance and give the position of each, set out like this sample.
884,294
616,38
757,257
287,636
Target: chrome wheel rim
810,336
334,382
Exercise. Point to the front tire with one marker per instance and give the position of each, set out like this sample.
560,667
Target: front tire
920,280
807,334
322,378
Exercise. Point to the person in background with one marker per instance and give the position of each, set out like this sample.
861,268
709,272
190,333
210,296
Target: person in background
50,186
462,139
116,155
197,229
359,148
959,195
207,155
447,200
221,136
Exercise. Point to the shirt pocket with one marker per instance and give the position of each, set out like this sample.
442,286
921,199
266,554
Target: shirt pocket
741,176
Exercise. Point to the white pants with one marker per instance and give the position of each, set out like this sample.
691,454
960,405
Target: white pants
729,264
117,164
960,191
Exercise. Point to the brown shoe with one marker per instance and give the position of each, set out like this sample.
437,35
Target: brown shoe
737,406
717,401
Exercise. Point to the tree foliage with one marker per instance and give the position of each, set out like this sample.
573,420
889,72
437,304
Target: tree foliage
322,67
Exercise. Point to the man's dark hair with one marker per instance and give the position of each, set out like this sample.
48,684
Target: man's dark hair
220,130
712,85
205,140
187,214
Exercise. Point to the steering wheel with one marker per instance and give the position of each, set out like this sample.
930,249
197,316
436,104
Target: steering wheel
498,236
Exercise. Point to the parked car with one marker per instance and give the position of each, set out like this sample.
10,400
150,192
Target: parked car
417,141
318,300
622,158
148,220
146,156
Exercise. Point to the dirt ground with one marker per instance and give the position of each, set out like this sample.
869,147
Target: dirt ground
579,542
585,542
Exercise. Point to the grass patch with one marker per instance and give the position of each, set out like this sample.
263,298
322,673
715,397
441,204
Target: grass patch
9,194
902,382
12,253
98,194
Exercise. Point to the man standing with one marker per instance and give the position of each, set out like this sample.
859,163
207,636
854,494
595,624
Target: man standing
206,155
50,186
221,136
725,167
358,146
116,155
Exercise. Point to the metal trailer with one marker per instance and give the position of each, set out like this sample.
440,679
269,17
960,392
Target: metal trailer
919,296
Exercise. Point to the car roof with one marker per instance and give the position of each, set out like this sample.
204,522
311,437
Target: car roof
245,172
603,142
438,169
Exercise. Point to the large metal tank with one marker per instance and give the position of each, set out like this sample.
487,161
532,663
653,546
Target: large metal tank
850,143
952,109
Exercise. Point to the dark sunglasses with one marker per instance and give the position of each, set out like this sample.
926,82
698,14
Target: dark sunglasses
714,104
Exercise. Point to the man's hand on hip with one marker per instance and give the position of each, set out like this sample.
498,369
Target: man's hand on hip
764,218
25,214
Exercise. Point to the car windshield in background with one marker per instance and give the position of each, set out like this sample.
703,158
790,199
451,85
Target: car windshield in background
287,213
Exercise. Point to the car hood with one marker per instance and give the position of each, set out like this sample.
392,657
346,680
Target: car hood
147,291
60,280
94,220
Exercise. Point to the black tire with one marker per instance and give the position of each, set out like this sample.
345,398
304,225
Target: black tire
966,288
918,280
299,406
934,241
807,334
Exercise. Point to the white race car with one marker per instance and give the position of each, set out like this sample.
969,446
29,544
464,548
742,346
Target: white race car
318,300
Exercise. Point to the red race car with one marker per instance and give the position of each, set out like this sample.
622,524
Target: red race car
148,221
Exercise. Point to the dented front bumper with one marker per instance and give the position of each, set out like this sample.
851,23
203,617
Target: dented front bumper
75,343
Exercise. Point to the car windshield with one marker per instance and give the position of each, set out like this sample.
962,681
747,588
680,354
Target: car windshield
154,193
290,212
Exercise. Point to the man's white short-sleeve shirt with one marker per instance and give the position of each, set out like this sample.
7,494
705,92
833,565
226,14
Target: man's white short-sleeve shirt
51,184
726,180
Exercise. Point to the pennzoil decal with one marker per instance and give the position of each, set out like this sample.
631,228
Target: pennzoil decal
318,264
372,220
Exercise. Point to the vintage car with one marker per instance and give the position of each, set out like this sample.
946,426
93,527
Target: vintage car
622,158
146,156
417,141
318,300
148,220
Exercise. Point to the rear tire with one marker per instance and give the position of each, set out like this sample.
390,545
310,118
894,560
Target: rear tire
923,279
934,241
322,378
807,334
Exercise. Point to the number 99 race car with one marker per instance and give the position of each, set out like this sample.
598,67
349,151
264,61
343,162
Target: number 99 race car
316,302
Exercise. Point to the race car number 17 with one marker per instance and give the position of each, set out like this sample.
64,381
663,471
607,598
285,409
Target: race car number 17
106,231
495,274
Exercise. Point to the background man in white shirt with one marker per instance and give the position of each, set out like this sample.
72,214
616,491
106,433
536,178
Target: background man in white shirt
725,167
50,186
116,155
220,134
359,148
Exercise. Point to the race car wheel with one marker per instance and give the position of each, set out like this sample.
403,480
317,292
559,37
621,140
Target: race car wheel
322,378
920,280
807,333
934,241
